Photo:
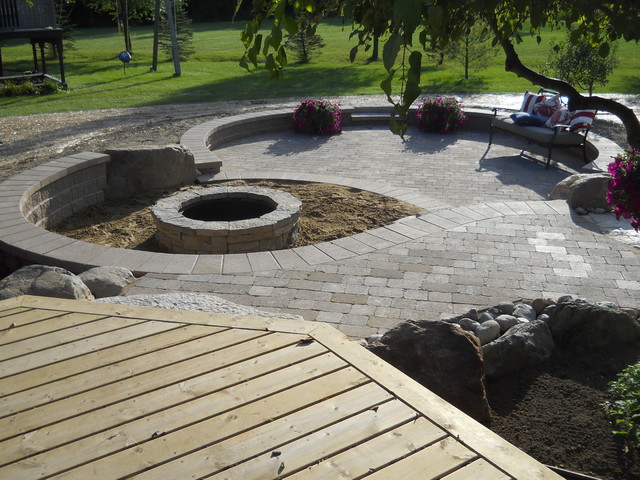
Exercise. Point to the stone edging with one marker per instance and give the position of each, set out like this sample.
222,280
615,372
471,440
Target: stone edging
54,190
202,139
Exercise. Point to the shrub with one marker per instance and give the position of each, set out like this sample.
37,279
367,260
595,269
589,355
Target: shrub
624,408
317,116
440,115
48,87
624,188
10,89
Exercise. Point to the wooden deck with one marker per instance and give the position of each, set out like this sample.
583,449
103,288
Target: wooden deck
91,390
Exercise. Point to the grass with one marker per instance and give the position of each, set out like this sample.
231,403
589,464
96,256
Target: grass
97,78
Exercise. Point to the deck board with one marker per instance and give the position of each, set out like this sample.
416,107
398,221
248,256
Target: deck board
163,344
101,391
31,330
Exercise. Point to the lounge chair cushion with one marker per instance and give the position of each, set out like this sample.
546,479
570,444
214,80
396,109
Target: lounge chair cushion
537,134
562,116
548,106
581,120
529,101
524,118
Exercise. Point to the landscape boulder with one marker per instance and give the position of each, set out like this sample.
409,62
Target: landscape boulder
583,190
487,331
135,170
44,281
506,322
522,346
585,325
524,310
441,356
107,281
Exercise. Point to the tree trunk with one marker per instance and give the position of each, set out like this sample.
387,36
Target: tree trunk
125,28
156,33
576,101
303,45
376,48
466,58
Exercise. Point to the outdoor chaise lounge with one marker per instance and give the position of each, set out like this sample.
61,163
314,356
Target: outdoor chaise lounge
545,120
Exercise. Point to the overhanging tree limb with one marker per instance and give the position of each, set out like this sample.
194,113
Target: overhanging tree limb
576,100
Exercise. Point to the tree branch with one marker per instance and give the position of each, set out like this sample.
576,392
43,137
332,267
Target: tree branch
576,100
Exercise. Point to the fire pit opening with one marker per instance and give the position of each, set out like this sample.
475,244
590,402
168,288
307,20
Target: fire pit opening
226,220
228,210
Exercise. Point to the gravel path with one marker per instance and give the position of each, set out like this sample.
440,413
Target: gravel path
28,140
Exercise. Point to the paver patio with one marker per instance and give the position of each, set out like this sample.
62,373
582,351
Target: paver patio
502,242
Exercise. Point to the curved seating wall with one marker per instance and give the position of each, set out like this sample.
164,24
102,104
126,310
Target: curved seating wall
43,196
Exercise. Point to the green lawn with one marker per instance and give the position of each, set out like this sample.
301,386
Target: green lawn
97,79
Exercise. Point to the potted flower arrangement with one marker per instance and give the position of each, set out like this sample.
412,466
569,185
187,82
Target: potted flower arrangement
318,116
624,188
440,115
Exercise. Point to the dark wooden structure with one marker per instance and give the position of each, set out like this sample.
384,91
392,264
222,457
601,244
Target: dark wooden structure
36,22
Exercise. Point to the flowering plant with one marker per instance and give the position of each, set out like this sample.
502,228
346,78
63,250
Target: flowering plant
440,115
317,116
624,188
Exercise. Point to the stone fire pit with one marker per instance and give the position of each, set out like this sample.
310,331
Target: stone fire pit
226,220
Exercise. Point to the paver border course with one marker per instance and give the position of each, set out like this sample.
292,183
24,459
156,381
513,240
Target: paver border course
42,196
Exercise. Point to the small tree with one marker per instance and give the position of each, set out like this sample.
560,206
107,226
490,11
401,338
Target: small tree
473,50
581,64
183,31
306,42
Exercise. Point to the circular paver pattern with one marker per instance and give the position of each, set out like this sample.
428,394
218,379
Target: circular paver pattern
489,235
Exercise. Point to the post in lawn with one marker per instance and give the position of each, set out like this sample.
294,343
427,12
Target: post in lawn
174,39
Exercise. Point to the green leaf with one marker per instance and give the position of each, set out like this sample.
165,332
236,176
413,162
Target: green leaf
434,16
415,66
407,13
394,126
290,25
281,57
276,36
385,85
575,36
307,5
390,51
252,57
604,49
243,63
411,92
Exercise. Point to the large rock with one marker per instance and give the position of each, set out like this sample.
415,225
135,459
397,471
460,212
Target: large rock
107,281
44,281
522,346
506,322
583,190
524,310
487,331
442,357
136,170
584,325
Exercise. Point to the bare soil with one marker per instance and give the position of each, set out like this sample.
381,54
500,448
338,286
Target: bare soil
328,212
552,411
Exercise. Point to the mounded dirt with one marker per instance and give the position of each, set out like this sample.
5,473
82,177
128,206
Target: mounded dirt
552,412
328,212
